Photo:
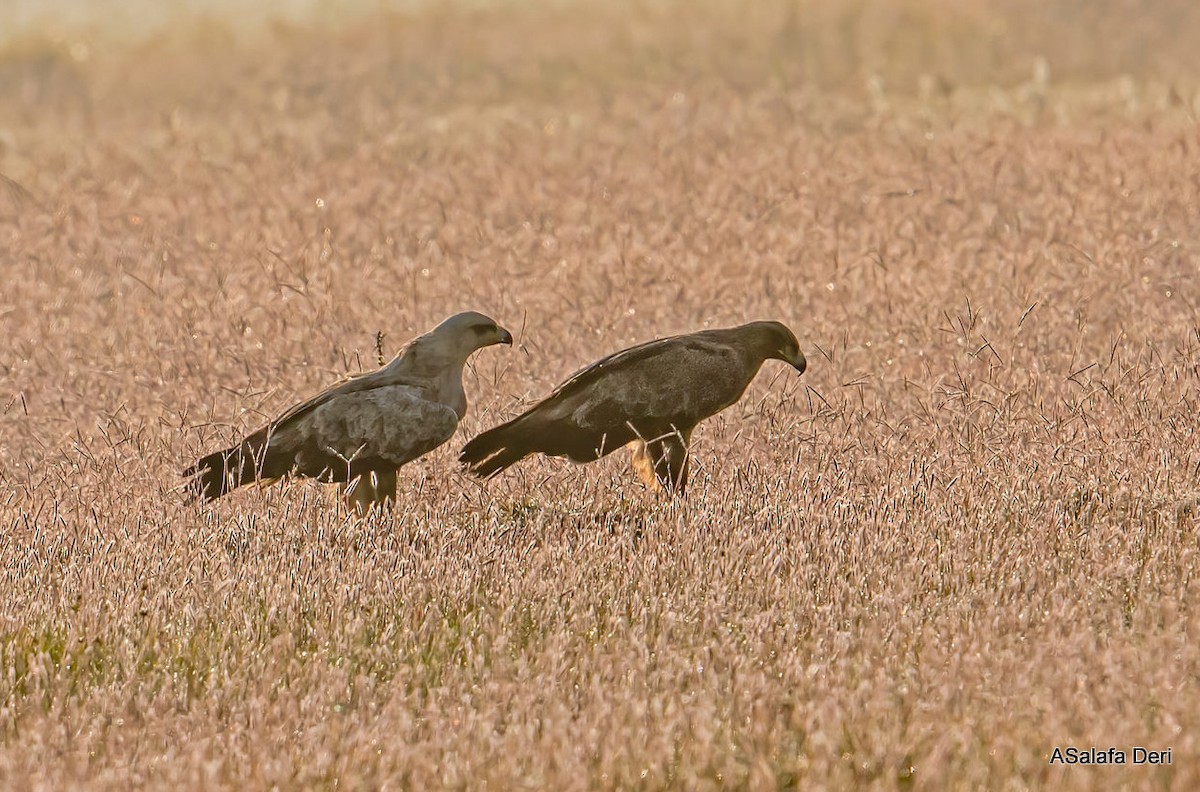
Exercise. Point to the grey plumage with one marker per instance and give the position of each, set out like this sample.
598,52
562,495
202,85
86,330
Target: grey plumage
360,431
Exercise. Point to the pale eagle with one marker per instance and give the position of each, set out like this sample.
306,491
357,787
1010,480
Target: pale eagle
360,431
650,396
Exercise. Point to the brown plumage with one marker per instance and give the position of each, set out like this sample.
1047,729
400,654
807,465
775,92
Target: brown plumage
650,396
360,431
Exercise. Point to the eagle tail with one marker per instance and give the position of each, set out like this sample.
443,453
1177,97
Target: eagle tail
221,472
495,450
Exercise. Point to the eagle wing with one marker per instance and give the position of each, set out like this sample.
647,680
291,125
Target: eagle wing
677,381
382,427
362,382
336,436
629,356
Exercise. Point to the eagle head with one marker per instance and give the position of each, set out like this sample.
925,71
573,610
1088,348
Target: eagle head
784,346
474,330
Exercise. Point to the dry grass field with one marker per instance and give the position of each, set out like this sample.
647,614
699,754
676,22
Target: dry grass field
970,533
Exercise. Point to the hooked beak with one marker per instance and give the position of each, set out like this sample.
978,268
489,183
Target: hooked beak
798,362
505,336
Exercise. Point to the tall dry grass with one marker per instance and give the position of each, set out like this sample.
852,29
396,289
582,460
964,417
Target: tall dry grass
968,535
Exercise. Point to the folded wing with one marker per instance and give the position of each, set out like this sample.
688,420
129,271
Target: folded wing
337,437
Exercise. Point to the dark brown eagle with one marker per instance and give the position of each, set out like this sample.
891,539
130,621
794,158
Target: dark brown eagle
650,396
360,431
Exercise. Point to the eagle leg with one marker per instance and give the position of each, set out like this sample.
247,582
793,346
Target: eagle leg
375,489
643,466
662,463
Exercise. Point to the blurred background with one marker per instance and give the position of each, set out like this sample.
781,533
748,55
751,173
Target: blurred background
897,45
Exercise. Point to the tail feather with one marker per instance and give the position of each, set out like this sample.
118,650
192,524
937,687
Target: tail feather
494,451
220,473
